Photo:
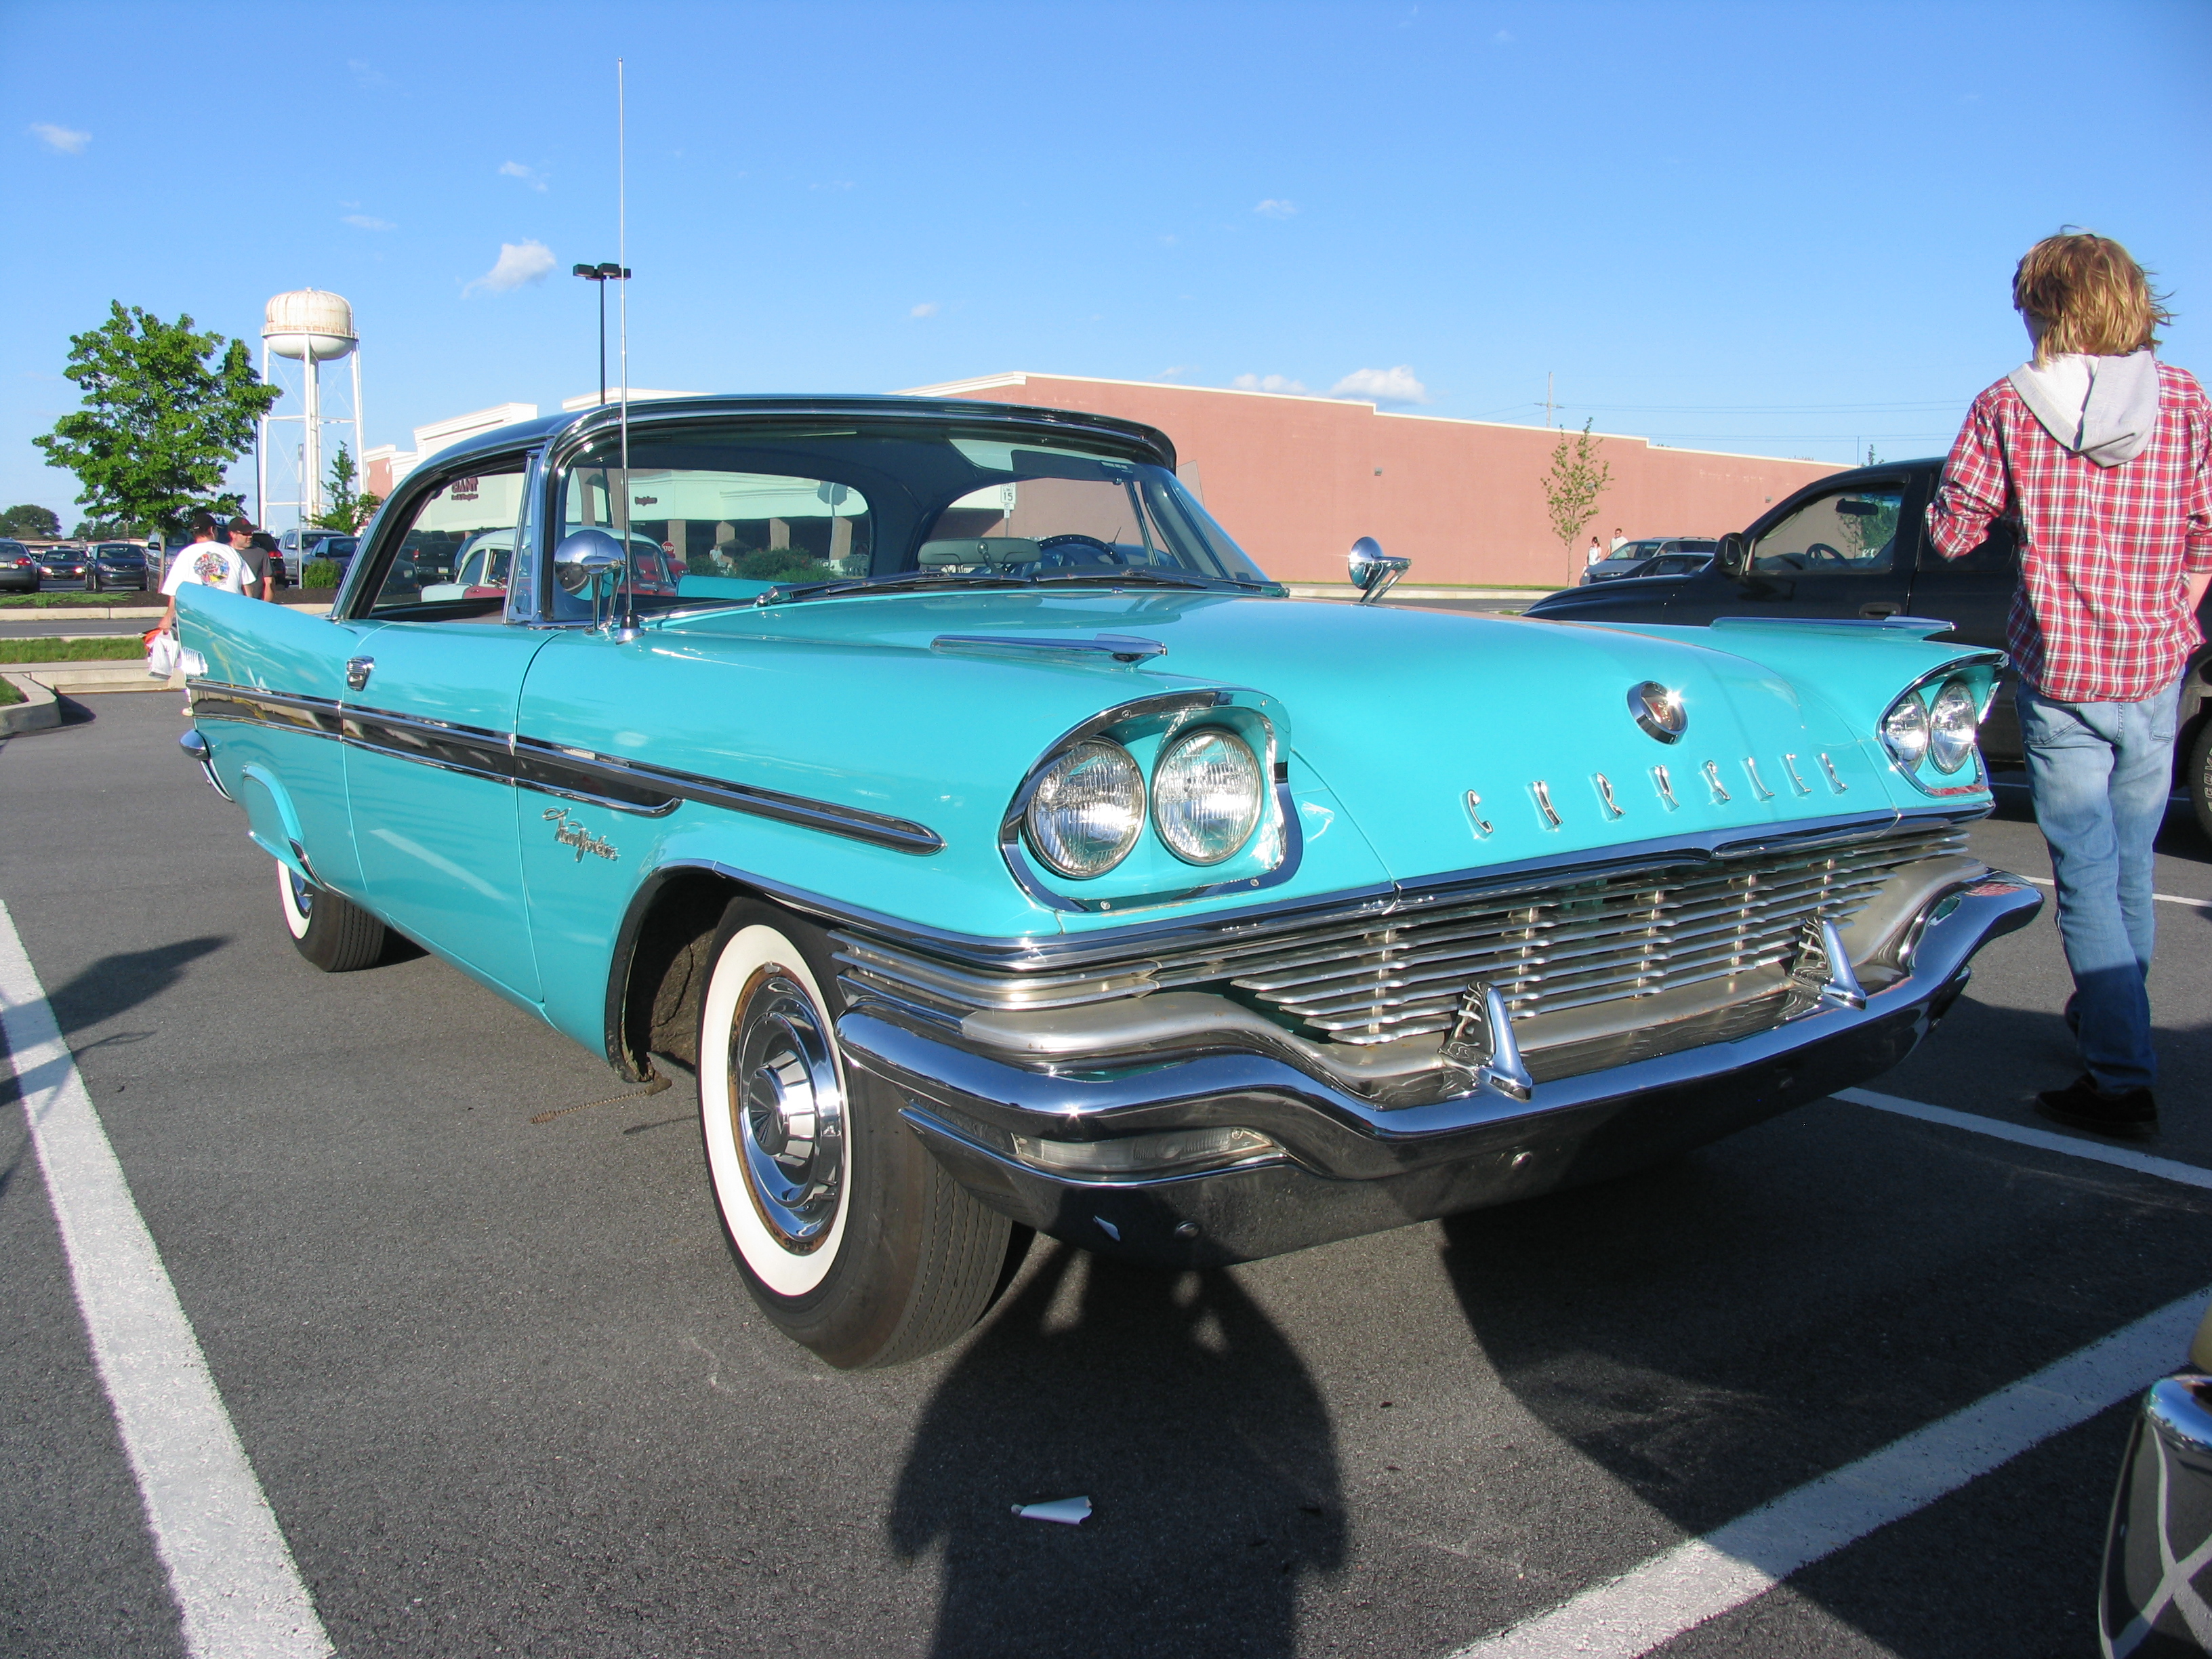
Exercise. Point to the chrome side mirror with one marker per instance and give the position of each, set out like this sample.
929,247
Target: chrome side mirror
1733,558
583,556
1373,570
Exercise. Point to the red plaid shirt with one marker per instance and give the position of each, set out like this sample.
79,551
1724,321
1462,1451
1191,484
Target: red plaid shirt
2101,614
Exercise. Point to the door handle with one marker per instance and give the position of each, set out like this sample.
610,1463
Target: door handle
357,671
1879,608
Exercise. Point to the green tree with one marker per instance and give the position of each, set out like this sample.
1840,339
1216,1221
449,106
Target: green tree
1577,477
348,508
30,520
109,529
165,411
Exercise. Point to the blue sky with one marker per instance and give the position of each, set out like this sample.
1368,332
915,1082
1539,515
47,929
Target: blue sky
1780,228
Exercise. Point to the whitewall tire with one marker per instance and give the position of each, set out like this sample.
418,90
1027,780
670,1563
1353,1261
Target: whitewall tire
853,1239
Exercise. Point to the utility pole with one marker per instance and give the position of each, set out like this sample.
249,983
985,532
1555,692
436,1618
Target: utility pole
1548,405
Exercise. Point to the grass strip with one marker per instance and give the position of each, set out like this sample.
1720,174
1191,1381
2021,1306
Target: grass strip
64,601
9,693
120,647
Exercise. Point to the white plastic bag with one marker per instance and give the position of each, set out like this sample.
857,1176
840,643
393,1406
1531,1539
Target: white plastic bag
161,656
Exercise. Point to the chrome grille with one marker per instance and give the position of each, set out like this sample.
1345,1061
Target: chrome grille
1574,940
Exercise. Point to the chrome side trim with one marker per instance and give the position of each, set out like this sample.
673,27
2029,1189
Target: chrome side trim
504,757
1119,647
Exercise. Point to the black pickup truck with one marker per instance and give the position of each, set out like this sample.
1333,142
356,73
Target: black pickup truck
1854,546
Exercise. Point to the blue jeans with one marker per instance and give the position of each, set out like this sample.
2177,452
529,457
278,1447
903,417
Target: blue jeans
2101,773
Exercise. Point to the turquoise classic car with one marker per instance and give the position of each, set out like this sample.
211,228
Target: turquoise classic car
1001,850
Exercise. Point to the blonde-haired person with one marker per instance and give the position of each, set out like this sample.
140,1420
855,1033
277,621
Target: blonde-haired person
2102,457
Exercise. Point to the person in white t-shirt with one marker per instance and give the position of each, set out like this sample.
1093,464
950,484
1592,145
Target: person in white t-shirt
1595,553
211,562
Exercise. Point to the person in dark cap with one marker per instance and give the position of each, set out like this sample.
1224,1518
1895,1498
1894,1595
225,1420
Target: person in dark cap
243,542
270,552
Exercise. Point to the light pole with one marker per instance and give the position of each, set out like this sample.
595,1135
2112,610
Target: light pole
608,272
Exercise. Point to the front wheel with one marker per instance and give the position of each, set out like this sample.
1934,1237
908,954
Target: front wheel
334,933
853,1239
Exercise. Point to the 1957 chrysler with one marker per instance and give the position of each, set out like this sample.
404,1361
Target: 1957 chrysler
1000,849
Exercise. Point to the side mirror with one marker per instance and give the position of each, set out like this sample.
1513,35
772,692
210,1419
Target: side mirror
1372,570
1734,557
583,556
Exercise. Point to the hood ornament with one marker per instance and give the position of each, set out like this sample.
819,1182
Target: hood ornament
1659,711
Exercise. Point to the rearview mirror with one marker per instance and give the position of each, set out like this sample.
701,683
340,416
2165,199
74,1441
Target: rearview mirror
1372,570
1733,558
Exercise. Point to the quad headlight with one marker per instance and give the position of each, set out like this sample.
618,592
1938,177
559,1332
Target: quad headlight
1207,795
1087,809
1904,732
1953,723
1941,731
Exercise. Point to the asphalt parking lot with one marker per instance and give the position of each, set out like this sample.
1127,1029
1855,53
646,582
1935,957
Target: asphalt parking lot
504,1393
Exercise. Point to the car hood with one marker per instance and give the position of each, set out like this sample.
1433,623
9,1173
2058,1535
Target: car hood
1399,715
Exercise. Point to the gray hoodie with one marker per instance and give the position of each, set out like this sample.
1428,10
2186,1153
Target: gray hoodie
2103,409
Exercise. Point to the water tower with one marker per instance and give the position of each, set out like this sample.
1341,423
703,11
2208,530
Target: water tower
311,328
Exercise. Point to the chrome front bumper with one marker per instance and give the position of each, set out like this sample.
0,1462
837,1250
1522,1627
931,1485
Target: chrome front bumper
1348,1165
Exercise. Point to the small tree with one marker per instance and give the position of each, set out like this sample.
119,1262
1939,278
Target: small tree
348,508
1577,477
109,529
166,410
30,519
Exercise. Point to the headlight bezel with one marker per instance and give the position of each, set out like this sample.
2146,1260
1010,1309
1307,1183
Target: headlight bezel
1973,681
1152,873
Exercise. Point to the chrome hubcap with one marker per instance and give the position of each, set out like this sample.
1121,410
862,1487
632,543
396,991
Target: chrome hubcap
303,897
788,1110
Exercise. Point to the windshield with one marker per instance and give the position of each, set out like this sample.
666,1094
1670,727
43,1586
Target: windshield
124,554
733,513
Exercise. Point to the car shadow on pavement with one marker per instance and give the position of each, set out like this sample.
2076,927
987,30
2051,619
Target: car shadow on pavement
1173,1403
115,983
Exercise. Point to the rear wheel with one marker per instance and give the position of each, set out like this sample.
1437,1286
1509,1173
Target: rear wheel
334,933
851,1238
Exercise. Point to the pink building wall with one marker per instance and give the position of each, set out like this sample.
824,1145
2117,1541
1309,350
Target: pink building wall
1295,480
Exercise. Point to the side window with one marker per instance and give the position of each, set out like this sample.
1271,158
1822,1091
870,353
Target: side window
756,526
1851,533
1998,553
457,550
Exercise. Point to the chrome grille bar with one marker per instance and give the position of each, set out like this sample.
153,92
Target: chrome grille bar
1582,940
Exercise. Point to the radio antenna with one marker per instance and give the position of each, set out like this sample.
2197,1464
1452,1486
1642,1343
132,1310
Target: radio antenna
622,258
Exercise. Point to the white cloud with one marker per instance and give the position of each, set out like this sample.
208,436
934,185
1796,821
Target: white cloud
529,176
1175,372
926,308
518,263
365,74
1382,386
61,140
364,222
1502,38
1274,208
1281,383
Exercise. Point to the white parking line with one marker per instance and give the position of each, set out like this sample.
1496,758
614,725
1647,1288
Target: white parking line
2163,898
1706,1577
2165,1168
238,1591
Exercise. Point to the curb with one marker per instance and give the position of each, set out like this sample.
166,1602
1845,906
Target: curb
37,710
115,612
78,677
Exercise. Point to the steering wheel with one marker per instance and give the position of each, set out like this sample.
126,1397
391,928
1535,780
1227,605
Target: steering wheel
1821,553
1072,548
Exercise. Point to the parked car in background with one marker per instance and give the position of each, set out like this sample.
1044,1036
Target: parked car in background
1852,547
62,562
1673,564
319,544
1633,558
18,568
1028,858
116,565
